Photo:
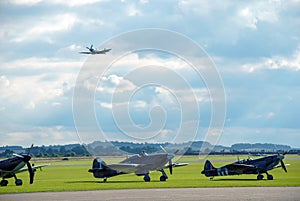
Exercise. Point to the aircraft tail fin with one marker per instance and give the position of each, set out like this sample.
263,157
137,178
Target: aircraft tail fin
208,165
98,164
208,168
101,170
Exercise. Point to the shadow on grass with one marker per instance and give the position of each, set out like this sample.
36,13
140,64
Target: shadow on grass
107,182
236,179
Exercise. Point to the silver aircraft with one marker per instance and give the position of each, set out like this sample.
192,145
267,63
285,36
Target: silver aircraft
95,51
139,164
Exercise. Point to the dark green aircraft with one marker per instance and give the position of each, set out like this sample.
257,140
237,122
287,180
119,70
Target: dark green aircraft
13,165
258,166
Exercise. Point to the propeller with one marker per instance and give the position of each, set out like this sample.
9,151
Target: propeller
170,166
283,166
31,172
26,159
170,157
281,157
90,48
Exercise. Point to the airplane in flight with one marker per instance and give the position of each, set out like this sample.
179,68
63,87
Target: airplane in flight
249,166
139,164
95,51
13,165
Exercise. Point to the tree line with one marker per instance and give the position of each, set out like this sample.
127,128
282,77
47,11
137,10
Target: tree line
48,151
119,148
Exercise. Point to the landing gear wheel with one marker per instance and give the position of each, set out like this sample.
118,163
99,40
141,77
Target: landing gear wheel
147,178
163,178
260,177
269,177
4,182
18,182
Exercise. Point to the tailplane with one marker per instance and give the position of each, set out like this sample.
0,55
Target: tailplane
101,170
208,167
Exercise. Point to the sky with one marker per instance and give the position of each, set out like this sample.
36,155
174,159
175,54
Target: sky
254,46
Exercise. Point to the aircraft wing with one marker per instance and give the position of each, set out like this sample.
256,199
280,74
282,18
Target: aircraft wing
126,167
85,52
5,171
240,168
100,52
176,165
279,166
33,168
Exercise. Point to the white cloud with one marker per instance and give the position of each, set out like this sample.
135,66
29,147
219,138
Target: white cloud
56,104
114,84
132,11
248,18
144,1
23,2
24,135
202,7
251,14
270,115
30,91
44,64
74,3
70,3
140,104
286,136
44,27
4,82
106,105
275,62
33,81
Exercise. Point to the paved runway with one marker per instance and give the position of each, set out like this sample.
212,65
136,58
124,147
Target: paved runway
186,194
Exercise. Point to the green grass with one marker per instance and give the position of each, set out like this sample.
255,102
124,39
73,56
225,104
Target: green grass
73,175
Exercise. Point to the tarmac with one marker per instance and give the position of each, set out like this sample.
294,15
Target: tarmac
178,194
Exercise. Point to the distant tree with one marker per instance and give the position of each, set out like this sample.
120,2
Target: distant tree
80,150
50,152
39,154
8,153
62,151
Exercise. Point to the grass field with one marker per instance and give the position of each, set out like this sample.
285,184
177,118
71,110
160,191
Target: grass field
73,175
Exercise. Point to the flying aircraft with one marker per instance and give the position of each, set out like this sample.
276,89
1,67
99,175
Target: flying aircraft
140,164
95,51
13,165
249,166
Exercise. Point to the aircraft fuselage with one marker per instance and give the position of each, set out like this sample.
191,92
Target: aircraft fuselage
150,162
147,163
11,164
257,166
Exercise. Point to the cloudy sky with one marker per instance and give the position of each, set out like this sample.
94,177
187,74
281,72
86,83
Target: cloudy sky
254,45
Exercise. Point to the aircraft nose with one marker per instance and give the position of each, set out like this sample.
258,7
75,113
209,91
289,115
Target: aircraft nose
27,158
280,156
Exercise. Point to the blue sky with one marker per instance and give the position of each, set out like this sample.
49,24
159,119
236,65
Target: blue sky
255,46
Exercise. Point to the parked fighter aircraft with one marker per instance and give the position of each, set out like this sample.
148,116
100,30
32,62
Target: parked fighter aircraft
140,164
13,165
249,166
95,51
